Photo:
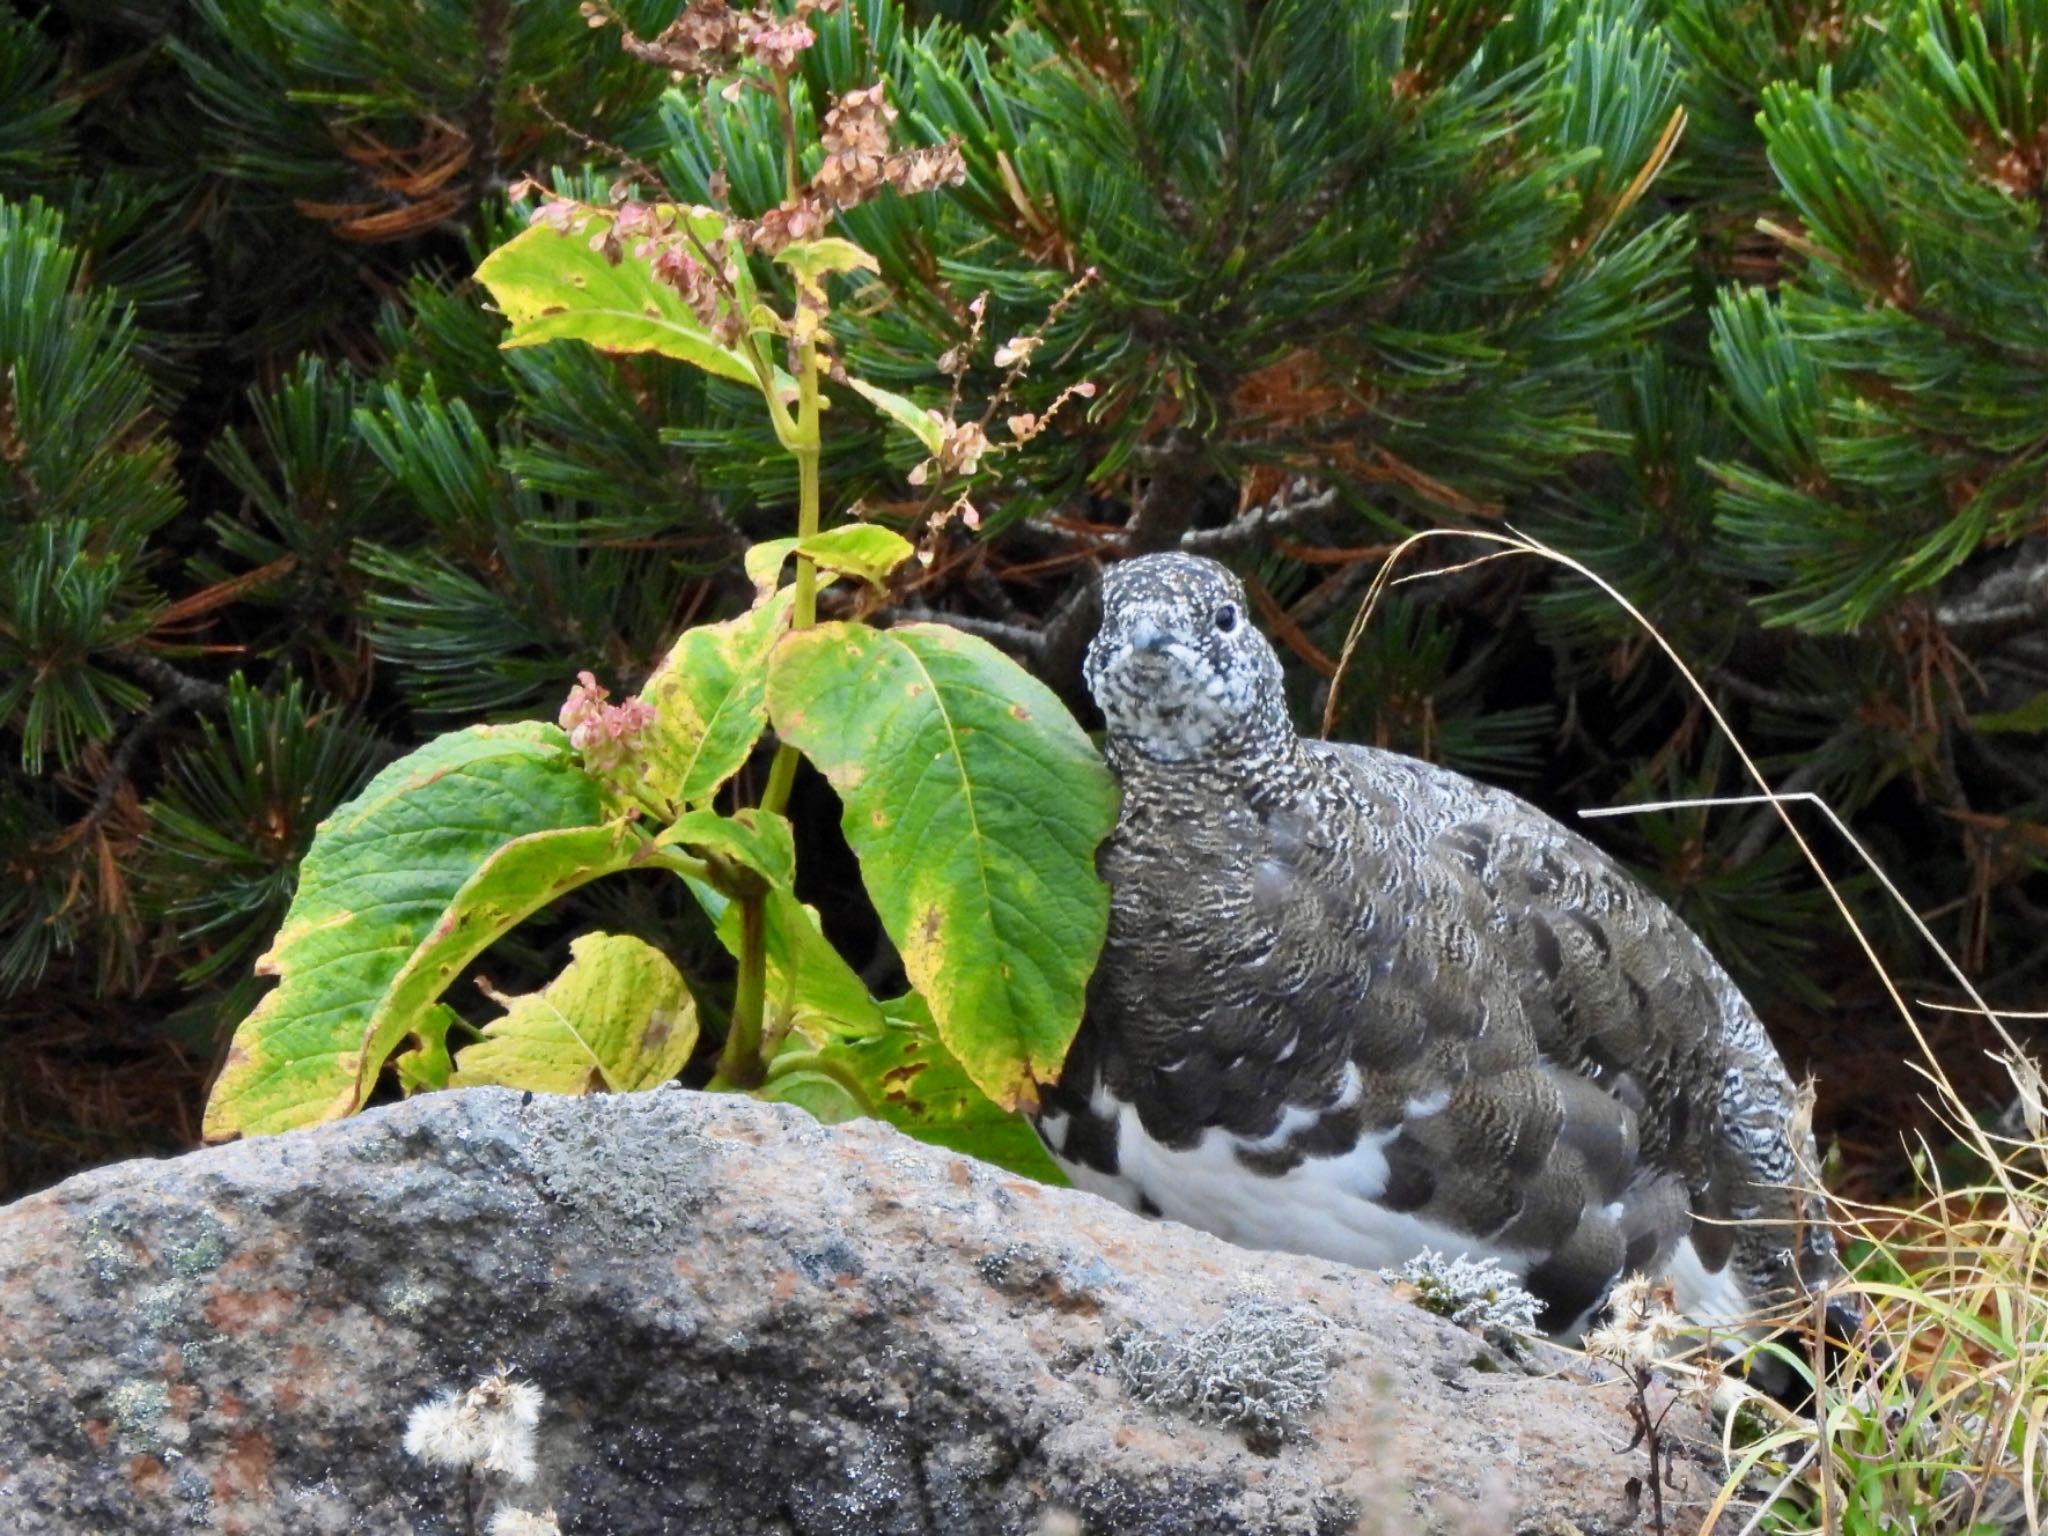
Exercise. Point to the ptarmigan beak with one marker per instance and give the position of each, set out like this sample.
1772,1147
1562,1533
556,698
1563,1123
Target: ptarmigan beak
1145,634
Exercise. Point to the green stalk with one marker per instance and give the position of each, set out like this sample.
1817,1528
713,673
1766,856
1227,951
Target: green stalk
740,1064
790,190
807,447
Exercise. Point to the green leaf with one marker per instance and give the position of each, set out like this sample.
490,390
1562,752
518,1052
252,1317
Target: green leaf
2029,717
618,1019
861,550
764,562
916,1085
820,1095
554,287
758,839
406,884
813,260
907,414
808,982
707,698
426,1066
975,806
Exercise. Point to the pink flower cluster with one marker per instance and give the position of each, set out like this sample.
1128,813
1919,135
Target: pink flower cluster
606,734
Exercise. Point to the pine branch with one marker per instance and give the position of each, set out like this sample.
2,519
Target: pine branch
170,684
1334,594
176,692
1167,504
1799,781
480,122
1066,636
1052,651
121,764
1757,693
1019,640
1298,503
2010,601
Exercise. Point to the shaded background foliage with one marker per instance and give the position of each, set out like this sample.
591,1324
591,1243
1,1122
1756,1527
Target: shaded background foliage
1745,306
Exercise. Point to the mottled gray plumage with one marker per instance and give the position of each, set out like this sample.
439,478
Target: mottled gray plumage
1351,1003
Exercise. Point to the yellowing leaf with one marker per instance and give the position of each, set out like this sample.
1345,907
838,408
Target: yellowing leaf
764,562
975,806
864,551
910,416
707,698
819,1095
553,286
618,1019
426,1065
812,260
441,853
760,840
913,1082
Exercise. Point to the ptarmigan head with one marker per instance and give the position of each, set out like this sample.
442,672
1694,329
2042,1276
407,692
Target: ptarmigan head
1178,669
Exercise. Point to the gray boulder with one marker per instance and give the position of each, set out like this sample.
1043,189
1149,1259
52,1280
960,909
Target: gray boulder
742,1322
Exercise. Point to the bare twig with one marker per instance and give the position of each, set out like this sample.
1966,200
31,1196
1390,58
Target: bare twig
480,120
1020,640
1299,502
2010,601
167,682
1167,504
176,692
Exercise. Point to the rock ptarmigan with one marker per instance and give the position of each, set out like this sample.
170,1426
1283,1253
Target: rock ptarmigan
1354,1005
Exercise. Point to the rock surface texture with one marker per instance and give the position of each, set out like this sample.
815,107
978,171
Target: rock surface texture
743,1322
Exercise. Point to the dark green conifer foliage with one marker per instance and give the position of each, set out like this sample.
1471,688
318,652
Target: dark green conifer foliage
1751,318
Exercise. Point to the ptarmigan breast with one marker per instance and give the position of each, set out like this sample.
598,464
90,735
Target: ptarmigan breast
1355,1005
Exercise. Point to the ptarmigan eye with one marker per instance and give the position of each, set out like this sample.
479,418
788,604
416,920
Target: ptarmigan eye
1226,618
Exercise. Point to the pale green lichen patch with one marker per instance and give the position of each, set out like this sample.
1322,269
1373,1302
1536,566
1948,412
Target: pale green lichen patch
409,1298
137,1409
200,1249
165,1308
108,1250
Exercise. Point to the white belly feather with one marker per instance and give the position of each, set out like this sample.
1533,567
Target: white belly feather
1324,1207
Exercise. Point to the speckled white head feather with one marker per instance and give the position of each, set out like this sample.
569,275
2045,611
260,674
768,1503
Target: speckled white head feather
1178,669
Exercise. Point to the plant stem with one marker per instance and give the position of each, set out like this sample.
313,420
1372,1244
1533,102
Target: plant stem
807,449
681,863
790,189
739,1063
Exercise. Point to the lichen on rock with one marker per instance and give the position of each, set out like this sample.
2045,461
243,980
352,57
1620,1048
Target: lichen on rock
1259,1368
745,1323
